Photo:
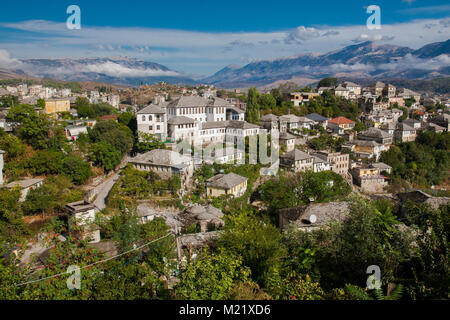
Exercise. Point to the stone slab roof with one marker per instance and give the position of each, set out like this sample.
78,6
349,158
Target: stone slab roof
225,181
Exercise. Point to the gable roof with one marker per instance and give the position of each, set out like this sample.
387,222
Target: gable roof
315,117
180,120
341,120
296,155
225,181
269,117
152,109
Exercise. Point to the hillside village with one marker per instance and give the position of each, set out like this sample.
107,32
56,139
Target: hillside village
175,163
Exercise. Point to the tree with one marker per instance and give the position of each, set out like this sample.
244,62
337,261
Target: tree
211,276
252,111
76,169
105,155
40,103
48,161
257,242
12,227
328,82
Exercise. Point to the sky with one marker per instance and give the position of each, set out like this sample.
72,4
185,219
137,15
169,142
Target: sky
200,37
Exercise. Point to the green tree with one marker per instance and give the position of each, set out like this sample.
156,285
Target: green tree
252,110
105,155
76,169
211,276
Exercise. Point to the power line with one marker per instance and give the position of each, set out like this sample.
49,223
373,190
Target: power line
90,265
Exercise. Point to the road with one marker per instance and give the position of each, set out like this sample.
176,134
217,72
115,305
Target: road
102,191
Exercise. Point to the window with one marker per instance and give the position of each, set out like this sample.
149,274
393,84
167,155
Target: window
143,118
149,118
150,128
158,127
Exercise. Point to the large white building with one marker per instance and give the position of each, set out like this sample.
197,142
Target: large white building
195,119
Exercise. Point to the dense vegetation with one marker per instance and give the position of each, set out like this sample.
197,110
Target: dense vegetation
423,162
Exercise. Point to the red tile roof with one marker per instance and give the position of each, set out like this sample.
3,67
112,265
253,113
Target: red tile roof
341,120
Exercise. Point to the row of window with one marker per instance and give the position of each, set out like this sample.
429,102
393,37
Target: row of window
150,118
196,110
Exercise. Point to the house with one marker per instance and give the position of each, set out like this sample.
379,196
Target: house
340,91
226,184
287,140
408,94
377,135
365,149
389,90
152,120
413,123
397,100
297,161
343,123
82,214
317,119
377,88
291,120
369,179
235,113
198,108
419,196
1,166
165,163
72,132
206,217
339,161
25,186
353,88
321,165
404,133
299,98
382,167
57,105
434,127
269,122
304,122
182,128
314,216
222,155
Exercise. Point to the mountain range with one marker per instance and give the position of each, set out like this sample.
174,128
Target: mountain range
364,60
368,60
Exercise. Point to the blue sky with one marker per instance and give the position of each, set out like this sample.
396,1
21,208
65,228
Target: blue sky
199,37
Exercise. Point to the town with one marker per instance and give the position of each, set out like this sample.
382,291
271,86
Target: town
89,174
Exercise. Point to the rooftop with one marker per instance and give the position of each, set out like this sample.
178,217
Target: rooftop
225,181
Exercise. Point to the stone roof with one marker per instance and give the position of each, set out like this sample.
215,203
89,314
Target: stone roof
404,127
235,109
381,165
241,125
350,84
365,143
286,136
161,157
341,120
375,133
213,124
290,118
296,155
340,88
323,213
225,181
152,109
189,101
315,117
180,120
269,117
24,183
195,101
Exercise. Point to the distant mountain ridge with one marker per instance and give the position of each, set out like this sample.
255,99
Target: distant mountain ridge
364,60
114,70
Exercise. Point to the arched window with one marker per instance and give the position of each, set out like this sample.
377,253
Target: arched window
143,118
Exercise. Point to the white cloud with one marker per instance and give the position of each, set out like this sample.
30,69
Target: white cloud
206,52
6,61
